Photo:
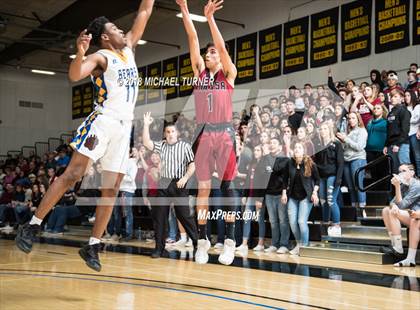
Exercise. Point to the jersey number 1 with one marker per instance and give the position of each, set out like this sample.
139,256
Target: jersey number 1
210,102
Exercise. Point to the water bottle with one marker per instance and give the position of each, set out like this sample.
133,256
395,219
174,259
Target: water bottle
138,233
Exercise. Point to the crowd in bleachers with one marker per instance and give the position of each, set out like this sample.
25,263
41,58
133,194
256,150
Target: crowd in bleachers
324,133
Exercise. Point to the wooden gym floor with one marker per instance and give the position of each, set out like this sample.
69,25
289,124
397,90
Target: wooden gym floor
54,277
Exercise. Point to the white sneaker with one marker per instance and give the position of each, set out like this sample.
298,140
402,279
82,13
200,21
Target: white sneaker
242,250
180,243
189,243
218,246
258,248
295,250
270,249
7,228
106,237
91,219
201,256
282,250
334,231
115,237
228,253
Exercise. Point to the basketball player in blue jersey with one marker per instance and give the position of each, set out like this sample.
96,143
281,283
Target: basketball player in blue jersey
105,134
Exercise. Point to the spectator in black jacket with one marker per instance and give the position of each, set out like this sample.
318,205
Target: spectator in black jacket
271,175
252,205
303,185
330,162
397,143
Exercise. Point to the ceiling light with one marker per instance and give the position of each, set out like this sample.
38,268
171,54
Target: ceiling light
42,72
197,18
141,42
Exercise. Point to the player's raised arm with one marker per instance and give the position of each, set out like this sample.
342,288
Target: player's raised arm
137,30
80,67
219,43
197,61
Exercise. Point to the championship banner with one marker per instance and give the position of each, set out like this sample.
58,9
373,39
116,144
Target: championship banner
416,22
295,42
141,97
154,73
185,73
246,58
231,49
356,29
270,52
76,101
324,37
170,74
392,25
87,91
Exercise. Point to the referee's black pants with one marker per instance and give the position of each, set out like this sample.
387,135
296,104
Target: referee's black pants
169,193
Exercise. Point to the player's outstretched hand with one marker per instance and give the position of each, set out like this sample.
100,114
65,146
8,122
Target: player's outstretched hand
83,42
211,7
182,3
148,119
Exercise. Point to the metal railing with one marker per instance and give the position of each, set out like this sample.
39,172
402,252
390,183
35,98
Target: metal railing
54,143
371,164
28,151
41,148
14,153
66,138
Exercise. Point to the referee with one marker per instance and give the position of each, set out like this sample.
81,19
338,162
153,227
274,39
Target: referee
177,166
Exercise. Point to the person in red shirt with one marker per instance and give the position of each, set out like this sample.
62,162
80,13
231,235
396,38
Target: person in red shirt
215,137
363,104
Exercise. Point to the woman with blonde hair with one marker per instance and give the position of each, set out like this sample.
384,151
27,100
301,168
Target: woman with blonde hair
330,162
354,144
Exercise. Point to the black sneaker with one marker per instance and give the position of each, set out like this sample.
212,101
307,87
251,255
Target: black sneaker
26,236
157,253
89,253
391,251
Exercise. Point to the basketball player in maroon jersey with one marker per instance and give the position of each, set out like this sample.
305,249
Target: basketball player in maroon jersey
215,141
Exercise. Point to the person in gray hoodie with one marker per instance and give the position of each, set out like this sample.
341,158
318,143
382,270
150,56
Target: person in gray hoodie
354,144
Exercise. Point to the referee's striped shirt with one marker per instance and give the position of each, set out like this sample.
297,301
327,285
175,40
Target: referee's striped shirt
174,158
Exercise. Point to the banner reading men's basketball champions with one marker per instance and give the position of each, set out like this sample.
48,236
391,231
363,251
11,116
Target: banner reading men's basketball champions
356,29
185,73
87,91
246,58
170,73
416,22
76,101
295,41
270,52
154,71
324,35
392,25
141,97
